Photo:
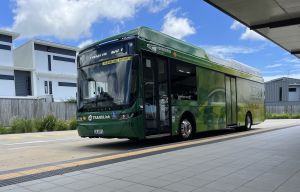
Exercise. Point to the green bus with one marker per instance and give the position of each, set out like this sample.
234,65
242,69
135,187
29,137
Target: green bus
144,84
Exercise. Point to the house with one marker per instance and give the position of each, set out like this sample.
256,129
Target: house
45,68
7,79
285,90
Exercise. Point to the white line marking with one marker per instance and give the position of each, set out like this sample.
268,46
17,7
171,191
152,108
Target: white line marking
41,141
26,147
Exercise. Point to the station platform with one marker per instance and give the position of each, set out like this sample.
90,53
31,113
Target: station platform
266,162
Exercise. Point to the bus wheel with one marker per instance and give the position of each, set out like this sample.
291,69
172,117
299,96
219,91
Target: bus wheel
248,122
186,129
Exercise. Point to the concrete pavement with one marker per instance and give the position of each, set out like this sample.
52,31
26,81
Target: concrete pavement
67,145
263,162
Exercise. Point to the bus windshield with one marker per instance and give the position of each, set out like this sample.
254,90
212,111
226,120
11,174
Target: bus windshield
107,85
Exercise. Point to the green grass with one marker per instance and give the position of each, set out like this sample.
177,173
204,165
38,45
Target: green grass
4,130
72,124
71,100
22,126
283,116
48,123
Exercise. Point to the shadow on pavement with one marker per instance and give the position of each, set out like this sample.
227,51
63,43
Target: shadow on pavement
124,145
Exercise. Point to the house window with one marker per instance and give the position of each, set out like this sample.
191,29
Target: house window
46,87
49,63
67,84
7,77
66,59
292,89
50,87
5,47
280,93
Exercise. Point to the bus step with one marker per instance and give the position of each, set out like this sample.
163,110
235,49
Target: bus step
158,135
231,126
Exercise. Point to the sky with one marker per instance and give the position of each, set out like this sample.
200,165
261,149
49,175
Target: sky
81,22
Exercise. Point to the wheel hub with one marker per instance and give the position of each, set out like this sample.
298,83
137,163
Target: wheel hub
248,121
186,128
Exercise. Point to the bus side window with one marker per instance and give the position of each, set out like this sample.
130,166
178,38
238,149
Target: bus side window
183,81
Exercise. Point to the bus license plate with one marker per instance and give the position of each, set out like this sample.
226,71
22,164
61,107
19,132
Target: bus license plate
98,131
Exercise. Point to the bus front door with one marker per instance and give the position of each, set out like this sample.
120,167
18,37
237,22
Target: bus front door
231,103
156,95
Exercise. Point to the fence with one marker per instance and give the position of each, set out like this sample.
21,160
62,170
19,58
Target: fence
29,108
283,107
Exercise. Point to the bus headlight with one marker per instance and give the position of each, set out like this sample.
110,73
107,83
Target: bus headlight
125,116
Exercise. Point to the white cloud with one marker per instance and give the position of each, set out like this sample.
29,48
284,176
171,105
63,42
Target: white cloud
178,27
272,72
247,34
272,77
236,25
289,68
291,60
251,35
227,51
274,65
158,5
85,43
269,78
296,65
72,19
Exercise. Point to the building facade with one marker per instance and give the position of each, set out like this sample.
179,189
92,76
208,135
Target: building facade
282,90
7,79
45,68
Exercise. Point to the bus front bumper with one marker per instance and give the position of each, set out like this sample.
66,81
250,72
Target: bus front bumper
131,128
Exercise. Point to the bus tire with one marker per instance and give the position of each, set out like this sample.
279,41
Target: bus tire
186,128
248,121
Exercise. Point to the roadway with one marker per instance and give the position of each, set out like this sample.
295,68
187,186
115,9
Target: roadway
40,149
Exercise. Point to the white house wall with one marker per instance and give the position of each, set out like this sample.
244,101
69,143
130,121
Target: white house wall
7,83
6,56
64,92
41,61
59,93
64,67
60,67
33,57
23,56
57,65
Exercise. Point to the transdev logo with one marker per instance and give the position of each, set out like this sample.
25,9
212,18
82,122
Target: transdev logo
98,117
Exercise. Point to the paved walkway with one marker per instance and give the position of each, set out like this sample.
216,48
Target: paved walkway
264,162
67,145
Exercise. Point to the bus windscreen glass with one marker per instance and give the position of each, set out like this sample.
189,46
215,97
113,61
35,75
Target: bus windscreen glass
106,85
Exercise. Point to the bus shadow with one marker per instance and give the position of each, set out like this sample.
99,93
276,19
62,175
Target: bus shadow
124,145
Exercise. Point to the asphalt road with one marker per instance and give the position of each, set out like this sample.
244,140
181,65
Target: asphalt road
34,149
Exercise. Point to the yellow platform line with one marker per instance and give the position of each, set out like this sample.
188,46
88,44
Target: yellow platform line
131,154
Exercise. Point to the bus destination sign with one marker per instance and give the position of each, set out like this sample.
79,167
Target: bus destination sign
105,52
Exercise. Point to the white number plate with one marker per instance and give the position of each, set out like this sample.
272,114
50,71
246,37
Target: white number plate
98,131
